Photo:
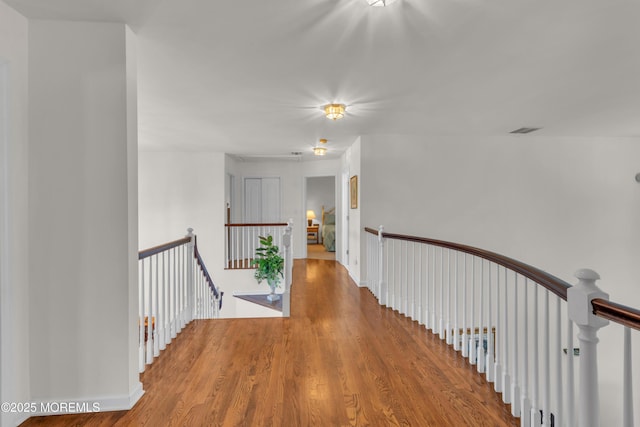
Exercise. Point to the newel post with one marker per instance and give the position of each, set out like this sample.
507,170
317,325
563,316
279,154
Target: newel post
382,291
190,294
288,269
581,313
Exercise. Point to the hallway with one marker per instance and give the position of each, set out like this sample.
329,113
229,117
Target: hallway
339,360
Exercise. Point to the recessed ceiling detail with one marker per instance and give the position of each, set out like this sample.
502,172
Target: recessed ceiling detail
334,111
525,130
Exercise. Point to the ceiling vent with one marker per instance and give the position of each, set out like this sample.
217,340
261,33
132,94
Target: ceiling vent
525,130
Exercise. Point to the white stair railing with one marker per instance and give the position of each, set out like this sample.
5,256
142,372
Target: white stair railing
243,239
512,321
174,288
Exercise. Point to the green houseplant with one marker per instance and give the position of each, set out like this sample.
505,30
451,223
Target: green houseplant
269,265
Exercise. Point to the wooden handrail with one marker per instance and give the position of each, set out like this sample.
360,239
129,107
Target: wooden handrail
615,312
200,262
550,282
259,224
161,248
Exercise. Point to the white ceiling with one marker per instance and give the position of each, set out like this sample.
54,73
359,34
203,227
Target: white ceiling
250,76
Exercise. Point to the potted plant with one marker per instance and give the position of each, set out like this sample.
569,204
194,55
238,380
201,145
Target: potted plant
269,265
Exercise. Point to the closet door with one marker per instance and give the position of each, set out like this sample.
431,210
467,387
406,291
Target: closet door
252,200
271,200
261,200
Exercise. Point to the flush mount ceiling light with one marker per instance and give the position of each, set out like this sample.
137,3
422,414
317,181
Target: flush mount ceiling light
334,111
320,151
380,3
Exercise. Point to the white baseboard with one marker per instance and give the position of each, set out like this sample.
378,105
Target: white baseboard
19,419
354,278
85,405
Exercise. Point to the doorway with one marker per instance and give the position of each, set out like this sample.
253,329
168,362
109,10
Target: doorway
320,212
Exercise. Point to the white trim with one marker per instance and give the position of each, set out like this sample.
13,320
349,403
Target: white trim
84,405
354,278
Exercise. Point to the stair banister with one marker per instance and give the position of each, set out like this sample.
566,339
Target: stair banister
174,288
581,313
542,398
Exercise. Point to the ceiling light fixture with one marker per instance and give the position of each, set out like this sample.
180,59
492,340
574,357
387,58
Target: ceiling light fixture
380,3
320,151
334,111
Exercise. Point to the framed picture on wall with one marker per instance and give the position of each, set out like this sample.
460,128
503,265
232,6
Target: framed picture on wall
354,191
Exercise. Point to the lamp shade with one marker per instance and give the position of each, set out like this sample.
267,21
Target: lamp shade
310,217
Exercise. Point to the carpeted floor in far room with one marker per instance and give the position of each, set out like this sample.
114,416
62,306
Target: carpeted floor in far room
319,252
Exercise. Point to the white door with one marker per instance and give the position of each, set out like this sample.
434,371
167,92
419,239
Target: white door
271,200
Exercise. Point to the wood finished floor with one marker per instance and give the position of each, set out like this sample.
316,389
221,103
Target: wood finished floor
340,360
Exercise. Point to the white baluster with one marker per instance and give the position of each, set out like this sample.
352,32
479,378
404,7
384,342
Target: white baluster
406,296
465,325
174,316
497,384
581,312
441,323
570,382
515,391
189,290
448,322
156,305
534,415
427,275
402,281
456,326
559,414
480,349
414,316
382,271
490,328
141,341
506,377
149,306
627,390
420,308
166,328
434,324
525,405
473,354
546,376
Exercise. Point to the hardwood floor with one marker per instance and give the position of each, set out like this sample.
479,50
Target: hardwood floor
340,360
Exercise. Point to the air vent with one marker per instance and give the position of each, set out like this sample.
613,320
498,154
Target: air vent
525,130
296,153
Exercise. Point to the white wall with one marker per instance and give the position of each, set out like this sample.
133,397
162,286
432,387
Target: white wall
351,166
14,168
81,241
559,204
